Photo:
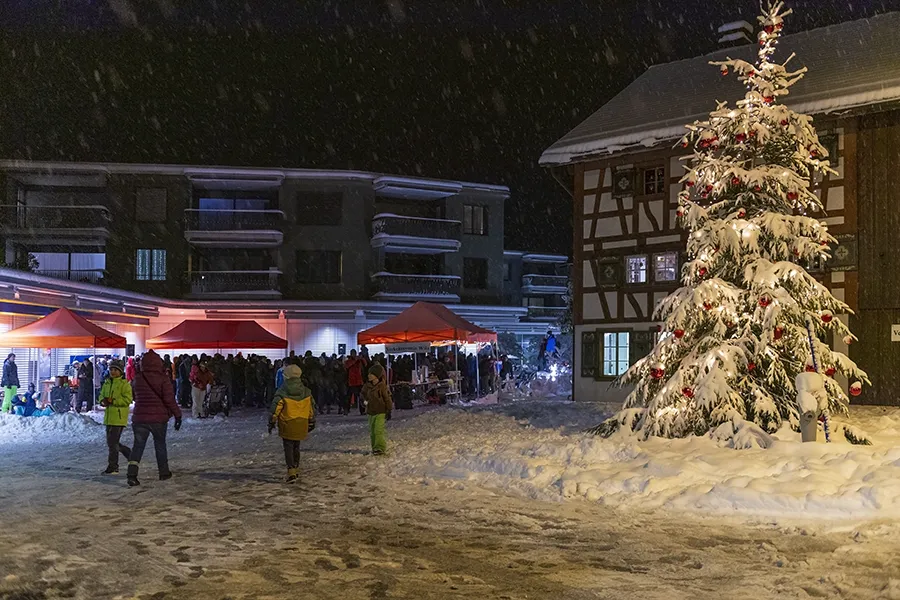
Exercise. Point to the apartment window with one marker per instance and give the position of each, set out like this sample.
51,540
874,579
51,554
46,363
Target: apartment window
319,266
654,180
615,353
150,264
475,220
636,269
150,205
475,273
321,209
533,301
665,266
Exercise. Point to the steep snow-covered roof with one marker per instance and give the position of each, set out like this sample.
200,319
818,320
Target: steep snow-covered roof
850,65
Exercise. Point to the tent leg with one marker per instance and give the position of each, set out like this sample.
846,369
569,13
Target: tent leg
477,373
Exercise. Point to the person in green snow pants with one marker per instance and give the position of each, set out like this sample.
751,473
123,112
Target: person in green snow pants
379,405
10,382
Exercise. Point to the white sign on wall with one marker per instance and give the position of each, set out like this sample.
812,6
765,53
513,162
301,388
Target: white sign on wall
895,333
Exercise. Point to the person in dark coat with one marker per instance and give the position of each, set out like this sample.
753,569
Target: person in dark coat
85,386
10,382
184,380
154,405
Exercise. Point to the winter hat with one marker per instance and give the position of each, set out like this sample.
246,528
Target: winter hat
292,372
117,364
377,370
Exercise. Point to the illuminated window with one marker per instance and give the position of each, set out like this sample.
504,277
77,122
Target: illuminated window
615,353
654,180
636,269
150,264
665,266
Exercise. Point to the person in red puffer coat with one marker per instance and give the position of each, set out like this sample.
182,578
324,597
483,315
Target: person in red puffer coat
154,405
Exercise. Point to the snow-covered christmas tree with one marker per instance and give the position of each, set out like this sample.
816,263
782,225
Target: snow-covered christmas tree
749,317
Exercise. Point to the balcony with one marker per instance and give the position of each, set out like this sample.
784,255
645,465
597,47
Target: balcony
58,225
265,285
545,314
415,235
435,288
94,276
208,228
544,284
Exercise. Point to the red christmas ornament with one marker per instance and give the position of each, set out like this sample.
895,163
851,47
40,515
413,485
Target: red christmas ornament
765,301
830,371
796,252
742,213
784,122
769,99
848,339
823,243
778,333
701,271
679,333
792,196
751,366
684,144
679,213
709,188
753,133
724,71
688,392
769,29
656,373
856,389
779,26
735,180
762,42
810,368
689,183
707,306
813,152
739,138
827,316
757,188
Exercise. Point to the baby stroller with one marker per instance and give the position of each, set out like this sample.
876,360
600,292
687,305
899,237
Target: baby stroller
217,400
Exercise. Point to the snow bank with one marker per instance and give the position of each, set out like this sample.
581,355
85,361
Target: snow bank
68,427
538,449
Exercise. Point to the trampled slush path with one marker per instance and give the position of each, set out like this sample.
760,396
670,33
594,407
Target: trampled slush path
225,527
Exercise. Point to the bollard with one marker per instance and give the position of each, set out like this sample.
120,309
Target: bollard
809,426
812,399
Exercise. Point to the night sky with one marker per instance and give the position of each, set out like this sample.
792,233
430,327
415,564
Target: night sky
458,89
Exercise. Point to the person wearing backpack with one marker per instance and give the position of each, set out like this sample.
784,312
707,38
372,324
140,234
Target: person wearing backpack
294,413
115,397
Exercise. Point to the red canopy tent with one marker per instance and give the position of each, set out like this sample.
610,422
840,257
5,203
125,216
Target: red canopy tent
425,322
61,329
217,335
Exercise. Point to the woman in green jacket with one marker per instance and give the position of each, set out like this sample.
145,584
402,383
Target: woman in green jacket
379,405
115,397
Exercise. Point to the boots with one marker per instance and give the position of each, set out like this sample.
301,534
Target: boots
293,475
132,475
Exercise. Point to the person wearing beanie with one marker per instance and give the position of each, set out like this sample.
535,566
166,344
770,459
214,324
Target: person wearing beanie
294,413
115,397
379,405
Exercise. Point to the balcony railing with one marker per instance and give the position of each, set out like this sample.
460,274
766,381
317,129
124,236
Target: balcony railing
198,219
552,284
235,282
545,313
36,218
444,287
417,227
80,275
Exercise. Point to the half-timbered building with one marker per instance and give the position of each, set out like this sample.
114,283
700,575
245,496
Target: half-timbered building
623,173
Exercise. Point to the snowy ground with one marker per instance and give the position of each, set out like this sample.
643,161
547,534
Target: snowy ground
491,502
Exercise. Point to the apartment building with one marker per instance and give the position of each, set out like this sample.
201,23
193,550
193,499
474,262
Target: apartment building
325,248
